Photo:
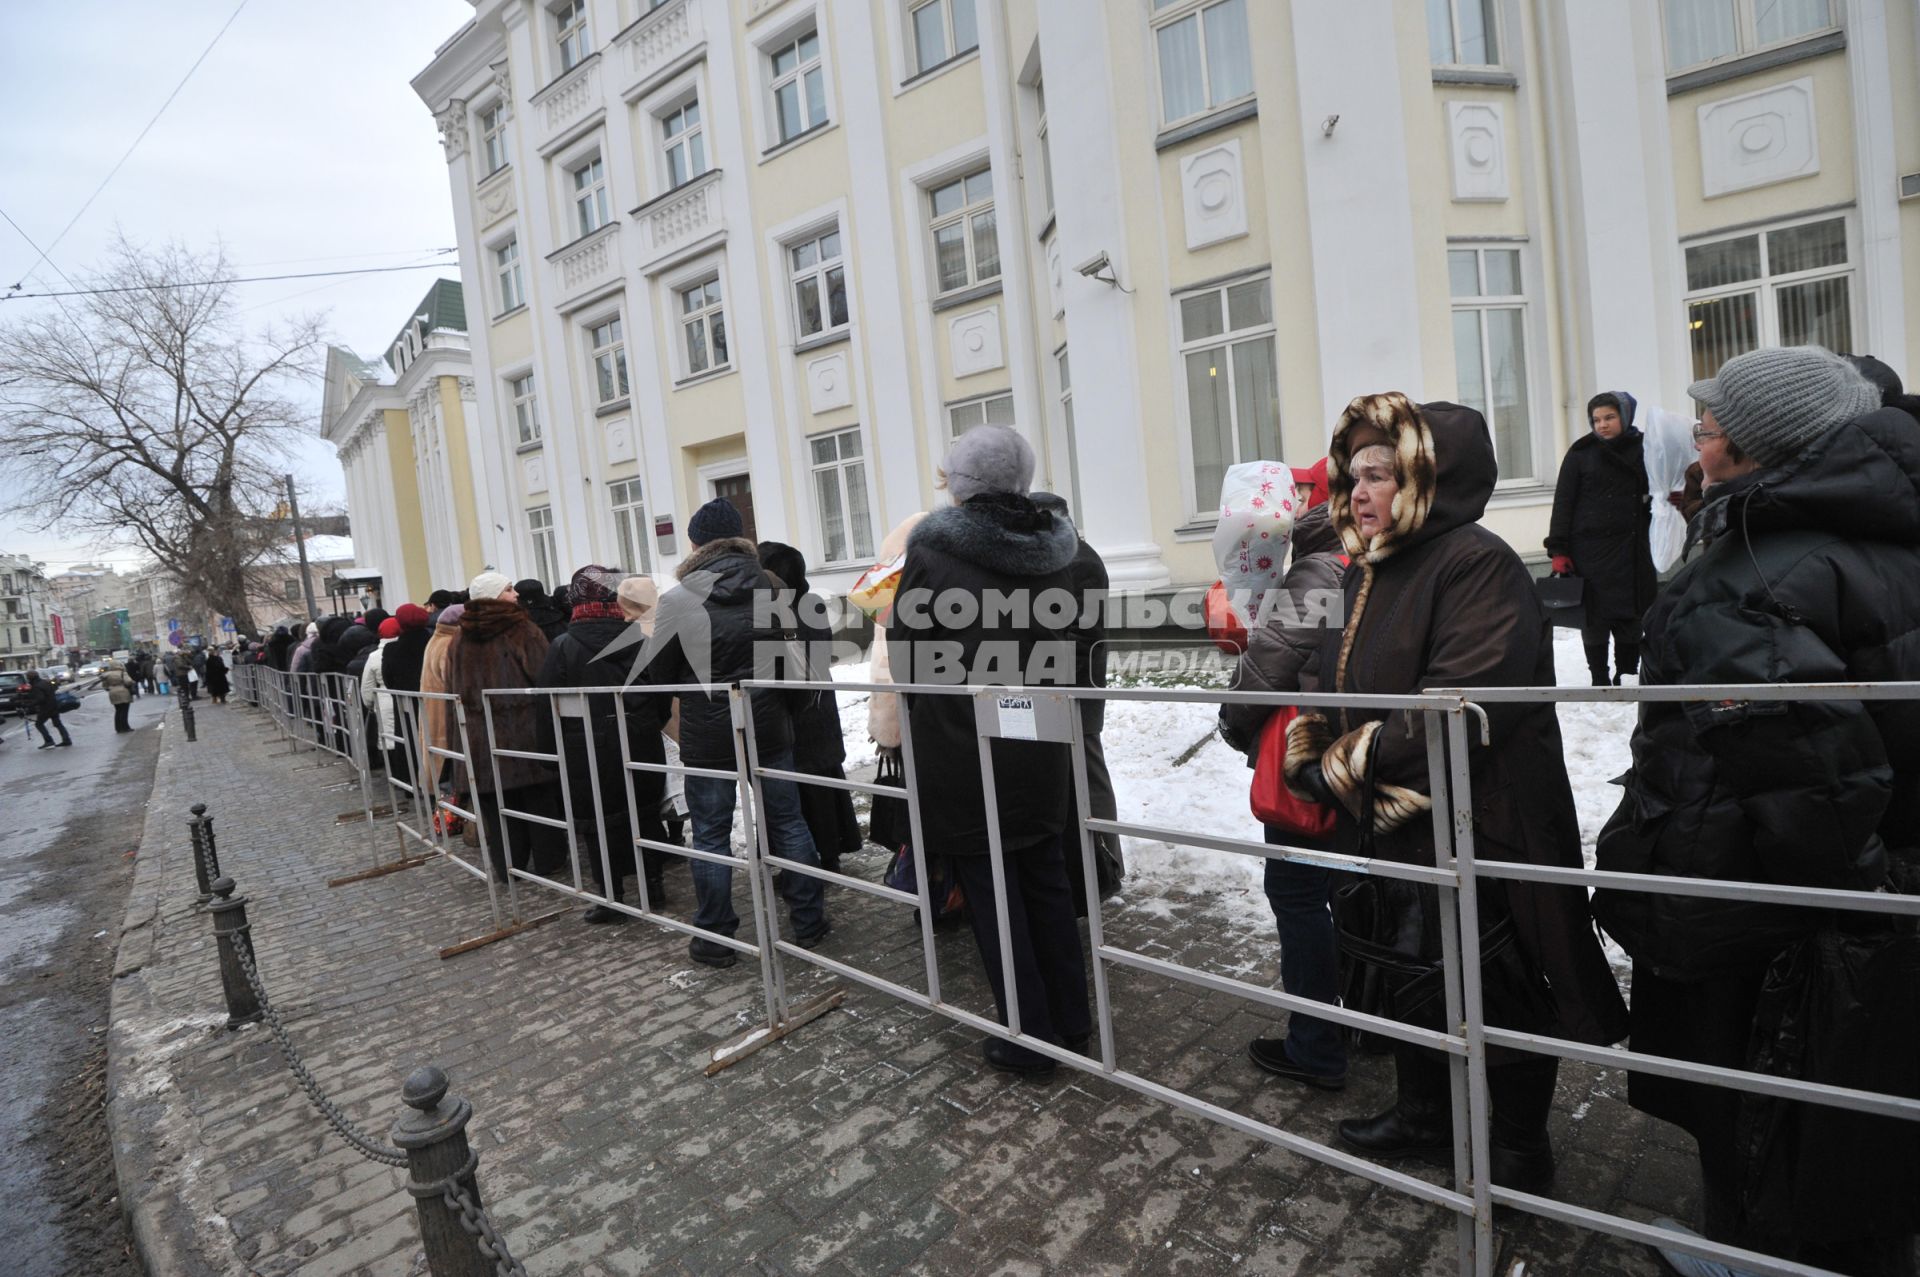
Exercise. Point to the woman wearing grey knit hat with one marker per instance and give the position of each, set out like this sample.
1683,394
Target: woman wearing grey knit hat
1811,573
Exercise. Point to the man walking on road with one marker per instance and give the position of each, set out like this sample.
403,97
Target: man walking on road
45,704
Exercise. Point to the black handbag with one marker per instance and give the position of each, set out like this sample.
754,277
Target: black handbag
1564,598
888,825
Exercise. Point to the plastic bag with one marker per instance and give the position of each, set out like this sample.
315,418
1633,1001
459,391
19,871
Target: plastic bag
1257,508
1667,450
873,592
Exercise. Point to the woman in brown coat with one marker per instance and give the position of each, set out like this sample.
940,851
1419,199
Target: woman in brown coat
1435,600
436,666
500,646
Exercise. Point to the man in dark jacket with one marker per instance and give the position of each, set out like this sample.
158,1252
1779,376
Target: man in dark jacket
400,672
714,629
1602,515
994,539
1811,573
1435,600
43,702
546,611
1313,1051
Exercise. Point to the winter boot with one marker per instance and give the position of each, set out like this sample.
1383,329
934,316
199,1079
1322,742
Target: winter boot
1520,1154
1597,663
1419,1124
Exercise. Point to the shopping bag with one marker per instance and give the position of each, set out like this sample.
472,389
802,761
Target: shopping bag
888,824
1257,508
1273,803
873,592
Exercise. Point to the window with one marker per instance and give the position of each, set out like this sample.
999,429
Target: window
493,137
942,29
1461,33
1787,286
609,362
1707,30
819,284
630,525
1046,150
685,143
995,410
590,196
798,86
1066,415
1204,58
291,590
526,409
1233,389
506,265
1490,350
570,32
966,250
704,325
546,558
840,493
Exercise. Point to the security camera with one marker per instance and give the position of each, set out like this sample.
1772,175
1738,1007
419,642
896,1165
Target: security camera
1092,267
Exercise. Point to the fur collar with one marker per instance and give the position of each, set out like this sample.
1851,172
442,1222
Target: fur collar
705,555
1003,534
487,619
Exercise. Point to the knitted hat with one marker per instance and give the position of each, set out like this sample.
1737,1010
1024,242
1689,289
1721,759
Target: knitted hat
988,459
488,585
593,584
1775,403
713,521
411,616
639,593
390,628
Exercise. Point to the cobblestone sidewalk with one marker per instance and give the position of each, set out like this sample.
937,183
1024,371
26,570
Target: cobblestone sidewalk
873,1140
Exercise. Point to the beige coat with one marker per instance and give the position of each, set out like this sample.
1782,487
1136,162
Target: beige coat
883,708
119,687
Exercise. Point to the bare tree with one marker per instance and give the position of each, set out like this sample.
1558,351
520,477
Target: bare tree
143,414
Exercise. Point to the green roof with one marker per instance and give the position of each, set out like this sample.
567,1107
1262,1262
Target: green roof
444,306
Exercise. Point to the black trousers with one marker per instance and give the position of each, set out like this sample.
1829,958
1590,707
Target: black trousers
1049,969
507,838
120,716
1626,647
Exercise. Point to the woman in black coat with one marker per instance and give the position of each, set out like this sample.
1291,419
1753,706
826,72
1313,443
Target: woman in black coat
1602,515
1811,573
574,660
819,748
995,538
400,668
217,687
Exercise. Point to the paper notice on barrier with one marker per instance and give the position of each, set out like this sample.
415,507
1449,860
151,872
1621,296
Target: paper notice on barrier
1017,718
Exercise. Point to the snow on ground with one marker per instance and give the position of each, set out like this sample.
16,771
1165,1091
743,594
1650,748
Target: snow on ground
1171,769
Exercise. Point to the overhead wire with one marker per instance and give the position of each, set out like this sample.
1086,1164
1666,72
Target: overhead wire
246,279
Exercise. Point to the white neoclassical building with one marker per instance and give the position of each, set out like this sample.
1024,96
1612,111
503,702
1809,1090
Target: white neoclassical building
781,250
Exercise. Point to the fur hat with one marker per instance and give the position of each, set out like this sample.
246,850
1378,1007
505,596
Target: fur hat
1776,402
988,459
411,616
715,521
488,585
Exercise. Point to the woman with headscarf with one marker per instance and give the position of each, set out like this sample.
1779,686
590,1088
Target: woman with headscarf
217,687
1602,515
119,689
1434,599
280,649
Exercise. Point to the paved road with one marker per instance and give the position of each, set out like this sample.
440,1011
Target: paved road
71,818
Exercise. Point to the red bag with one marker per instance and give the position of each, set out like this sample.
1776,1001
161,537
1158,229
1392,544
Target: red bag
1273,803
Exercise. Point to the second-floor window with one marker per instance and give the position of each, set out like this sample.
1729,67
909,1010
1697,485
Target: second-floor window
799,87
493,137
840,493
1461,33
993,410
943,29
546,556
685,143
590,196
630,524
609,362
1708,30
1205,62
966,248
1789,285
570,33
506,266
526,409
703,327
819,285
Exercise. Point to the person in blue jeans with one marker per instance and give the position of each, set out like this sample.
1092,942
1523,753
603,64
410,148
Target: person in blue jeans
716,627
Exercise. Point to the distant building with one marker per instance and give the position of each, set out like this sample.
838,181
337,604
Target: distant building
27,614
96,605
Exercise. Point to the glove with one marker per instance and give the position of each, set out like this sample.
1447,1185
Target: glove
1312,781
1562,565
1678,500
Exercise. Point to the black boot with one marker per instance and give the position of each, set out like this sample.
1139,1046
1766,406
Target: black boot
1419,1124
1597,663
1520,1154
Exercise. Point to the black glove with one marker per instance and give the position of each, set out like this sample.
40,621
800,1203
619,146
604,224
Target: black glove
1312,781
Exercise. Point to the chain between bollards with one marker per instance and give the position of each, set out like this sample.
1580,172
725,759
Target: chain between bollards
459,1237
206,862
231,934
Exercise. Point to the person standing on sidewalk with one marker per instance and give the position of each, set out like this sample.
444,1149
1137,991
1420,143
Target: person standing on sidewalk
118,685
501,647
43,701
1602,514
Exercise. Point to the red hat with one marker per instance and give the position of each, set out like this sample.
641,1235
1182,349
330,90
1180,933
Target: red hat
411,616
390,628
1315,478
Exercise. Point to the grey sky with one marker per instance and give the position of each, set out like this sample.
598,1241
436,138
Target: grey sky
298,143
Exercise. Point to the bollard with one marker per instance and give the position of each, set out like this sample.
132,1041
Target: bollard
231,933
434,1136
186,709
206,865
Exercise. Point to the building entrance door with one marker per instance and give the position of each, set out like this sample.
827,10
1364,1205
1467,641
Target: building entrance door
738,489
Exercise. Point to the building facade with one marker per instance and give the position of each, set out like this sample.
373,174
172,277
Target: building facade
96,603
27,614
783,250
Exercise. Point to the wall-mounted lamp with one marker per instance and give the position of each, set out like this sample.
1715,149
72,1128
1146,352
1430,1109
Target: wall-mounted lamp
1327,125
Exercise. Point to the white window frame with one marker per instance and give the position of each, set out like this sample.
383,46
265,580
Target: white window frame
985,404
1172,14
590,202
523,397
704,317
918,66
1063,372
1491,8
626,499
790,37
572,34
1202,506
690,137
1766,285
493,137
1746,33
1481,304
546,550
859,537
606,342
817,273
965,216
1045,148
510,281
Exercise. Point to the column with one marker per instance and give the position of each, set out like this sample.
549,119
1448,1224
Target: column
1877,185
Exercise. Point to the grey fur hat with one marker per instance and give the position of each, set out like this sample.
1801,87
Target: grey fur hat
988,459
1777,402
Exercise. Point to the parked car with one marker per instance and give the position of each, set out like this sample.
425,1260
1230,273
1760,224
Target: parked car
93,669
13,692
57,674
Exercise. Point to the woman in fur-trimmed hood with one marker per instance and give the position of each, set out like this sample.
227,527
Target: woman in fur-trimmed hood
1435,600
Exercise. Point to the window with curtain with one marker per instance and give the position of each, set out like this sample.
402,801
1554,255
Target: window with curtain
683,143
506,266
703,327
840,497
630,525
1205,61
966,247
989,410
1462,33
1490,350
590,208
1232,382
799,87
570,33
546,556
819,284
942,30
1790,285
526,409
609,362
1702,31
